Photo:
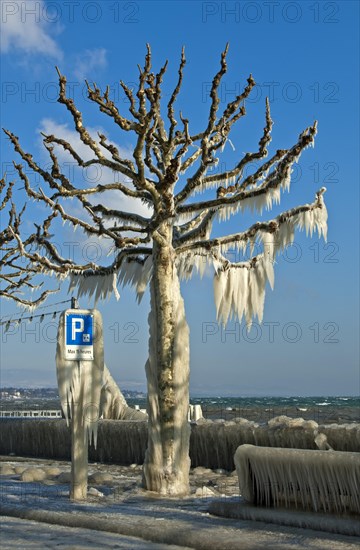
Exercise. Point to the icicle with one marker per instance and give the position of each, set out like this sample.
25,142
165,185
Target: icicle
225,142
115,290
231,144
269,271
252,244
284,235
260,281
269,245
242,292
219,290
201,266
226,302
225,212
187,270
251,297
217,264
144,278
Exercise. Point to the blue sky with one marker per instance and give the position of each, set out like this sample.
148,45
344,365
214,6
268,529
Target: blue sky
304,55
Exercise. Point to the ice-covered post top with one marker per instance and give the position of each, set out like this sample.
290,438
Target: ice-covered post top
80,367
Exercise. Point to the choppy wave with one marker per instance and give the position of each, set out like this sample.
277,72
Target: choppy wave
326,409
270,401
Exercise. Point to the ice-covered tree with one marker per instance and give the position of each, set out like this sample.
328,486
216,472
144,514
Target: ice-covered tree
169,166
16,276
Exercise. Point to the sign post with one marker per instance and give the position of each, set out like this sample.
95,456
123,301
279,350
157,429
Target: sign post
80,365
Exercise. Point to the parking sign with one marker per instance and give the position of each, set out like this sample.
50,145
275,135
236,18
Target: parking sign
79,331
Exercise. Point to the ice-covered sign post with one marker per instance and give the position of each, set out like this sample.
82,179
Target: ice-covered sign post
79,336
80,367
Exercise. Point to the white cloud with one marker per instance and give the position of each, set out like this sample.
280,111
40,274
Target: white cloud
88,61
26,27
92,175
63,131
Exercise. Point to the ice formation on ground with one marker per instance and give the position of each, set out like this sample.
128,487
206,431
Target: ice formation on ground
121,506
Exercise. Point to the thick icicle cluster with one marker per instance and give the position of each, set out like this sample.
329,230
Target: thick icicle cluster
99,286
136,274
240,290
257,202
315,219
80,382
187,263
311,219
102,286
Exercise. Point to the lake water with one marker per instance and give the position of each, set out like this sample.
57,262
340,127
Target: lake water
322,409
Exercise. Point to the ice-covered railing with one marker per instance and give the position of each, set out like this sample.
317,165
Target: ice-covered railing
322,481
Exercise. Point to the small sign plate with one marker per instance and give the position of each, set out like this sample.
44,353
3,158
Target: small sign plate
79,332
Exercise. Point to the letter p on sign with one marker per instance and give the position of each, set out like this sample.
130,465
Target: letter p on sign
77,325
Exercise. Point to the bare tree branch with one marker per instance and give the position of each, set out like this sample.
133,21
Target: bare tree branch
170,107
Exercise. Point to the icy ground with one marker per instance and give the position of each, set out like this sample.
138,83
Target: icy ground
118,510
21,533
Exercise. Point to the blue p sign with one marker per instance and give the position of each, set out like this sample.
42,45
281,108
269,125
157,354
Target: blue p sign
79,332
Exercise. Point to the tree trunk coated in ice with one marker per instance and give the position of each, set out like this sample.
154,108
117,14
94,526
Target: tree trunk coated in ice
167,462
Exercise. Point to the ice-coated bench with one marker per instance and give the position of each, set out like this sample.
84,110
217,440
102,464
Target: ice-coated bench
320,481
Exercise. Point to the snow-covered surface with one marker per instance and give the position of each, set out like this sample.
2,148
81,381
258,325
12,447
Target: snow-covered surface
127,510
19,533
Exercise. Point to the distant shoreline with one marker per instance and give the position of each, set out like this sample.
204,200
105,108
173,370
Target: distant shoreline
321,409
